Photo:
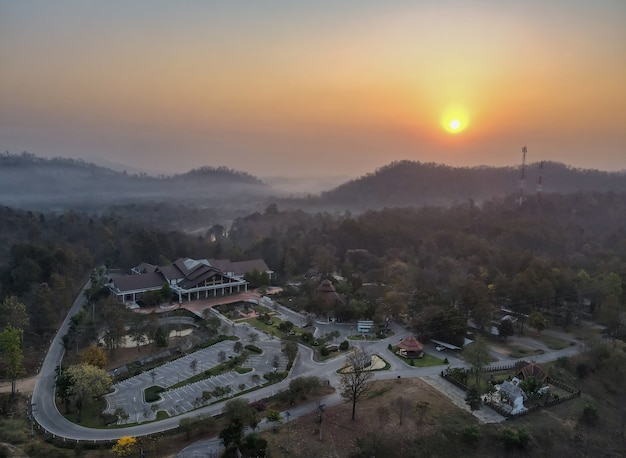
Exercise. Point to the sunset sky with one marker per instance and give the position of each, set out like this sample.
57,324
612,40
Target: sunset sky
303,88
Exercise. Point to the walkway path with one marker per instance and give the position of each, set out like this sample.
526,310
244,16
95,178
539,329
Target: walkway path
457,396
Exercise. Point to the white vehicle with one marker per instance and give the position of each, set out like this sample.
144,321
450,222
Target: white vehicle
440,348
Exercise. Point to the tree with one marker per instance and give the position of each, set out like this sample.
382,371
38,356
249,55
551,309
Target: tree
88,381
290,349
113,317
253,337
221,356
160,337
355,377
125,446
233,433
238,347
211,322
138,331
13,313
472,398
240,408
506,329
121,414
303,386
285,326
273,416
166,292
11,352
95,356
537,321
477,355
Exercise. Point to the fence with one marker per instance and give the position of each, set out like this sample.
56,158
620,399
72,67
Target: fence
449,375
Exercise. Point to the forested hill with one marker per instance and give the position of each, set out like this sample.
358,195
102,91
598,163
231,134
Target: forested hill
409,183
32,182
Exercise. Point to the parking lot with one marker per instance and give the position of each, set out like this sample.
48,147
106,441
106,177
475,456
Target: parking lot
129,394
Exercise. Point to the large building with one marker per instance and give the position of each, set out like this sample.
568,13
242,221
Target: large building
190,279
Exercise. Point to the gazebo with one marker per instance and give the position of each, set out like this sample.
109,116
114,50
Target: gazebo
410,347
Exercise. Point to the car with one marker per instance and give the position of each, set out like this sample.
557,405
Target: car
440,348
292,333
315,342
305,325
270,322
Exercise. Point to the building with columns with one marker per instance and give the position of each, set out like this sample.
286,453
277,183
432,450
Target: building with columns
189,279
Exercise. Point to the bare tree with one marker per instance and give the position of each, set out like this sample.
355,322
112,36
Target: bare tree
253,337
356,376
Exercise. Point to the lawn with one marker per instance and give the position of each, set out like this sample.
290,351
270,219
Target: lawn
554,343
425,361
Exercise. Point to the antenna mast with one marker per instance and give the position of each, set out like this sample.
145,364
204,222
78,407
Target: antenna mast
522,181
540,183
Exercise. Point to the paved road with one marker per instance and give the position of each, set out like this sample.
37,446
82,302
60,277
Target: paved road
49,418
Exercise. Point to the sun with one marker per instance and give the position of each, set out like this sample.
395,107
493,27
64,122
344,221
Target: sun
455,124
454,120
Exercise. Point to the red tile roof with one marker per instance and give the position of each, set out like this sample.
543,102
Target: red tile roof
411,345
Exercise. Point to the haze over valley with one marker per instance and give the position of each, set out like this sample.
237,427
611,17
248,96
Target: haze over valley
312,229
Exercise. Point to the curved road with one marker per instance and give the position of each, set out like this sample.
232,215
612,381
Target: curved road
48,417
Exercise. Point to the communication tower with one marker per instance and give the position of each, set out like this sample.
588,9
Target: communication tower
522,181
540,183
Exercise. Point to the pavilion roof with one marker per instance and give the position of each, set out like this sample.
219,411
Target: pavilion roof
410,344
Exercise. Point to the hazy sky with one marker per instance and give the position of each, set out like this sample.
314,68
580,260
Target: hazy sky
317,87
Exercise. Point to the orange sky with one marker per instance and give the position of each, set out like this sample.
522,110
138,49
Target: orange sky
310,88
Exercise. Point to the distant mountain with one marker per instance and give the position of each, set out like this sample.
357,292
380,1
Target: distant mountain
36,183
408,183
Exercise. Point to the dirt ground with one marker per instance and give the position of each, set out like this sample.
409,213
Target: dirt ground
388,401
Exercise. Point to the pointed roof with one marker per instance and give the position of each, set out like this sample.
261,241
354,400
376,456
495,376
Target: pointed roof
532,370
411,344
326,287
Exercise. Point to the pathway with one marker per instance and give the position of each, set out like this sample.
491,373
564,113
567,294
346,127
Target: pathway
457,396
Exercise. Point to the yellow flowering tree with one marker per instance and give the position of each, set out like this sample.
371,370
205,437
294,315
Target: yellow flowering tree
124,446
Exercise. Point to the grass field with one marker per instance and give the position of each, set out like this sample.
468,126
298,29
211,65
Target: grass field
552,342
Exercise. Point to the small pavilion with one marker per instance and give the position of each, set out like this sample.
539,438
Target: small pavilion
410,347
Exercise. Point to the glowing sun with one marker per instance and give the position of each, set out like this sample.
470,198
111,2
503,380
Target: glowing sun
454,120
455,124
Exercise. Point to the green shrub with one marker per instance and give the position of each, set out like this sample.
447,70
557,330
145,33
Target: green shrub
253,349
562,361
274,376
472,398
344,345
471,434
515,439
325,351
151,394
589,415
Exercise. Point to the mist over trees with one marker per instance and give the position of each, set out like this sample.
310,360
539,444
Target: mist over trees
432,266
